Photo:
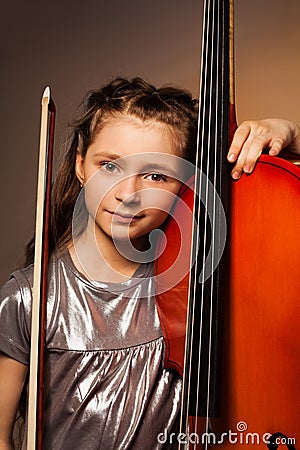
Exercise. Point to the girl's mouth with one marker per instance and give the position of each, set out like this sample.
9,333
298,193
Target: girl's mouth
125,218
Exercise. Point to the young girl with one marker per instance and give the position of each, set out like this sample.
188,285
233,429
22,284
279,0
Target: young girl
106,387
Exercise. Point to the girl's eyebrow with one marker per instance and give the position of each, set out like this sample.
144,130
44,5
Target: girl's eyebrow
146,167
106,155
160,168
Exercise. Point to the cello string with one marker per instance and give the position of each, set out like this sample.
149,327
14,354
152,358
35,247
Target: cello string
206,146
210,138
195,238
219,65
203,187
211,166
213,110
214,224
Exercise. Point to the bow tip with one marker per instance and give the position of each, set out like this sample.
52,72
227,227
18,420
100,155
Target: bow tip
46,94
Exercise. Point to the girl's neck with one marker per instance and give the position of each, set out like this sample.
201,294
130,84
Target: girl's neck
95,255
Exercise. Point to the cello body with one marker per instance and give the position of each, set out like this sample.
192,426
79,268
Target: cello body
261,354
260,389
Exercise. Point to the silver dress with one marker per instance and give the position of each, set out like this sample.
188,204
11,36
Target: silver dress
105,385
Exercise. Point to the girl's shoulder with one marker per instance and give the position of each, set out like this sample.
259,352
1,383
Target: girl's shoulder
15,314
21,281
24,277
19,285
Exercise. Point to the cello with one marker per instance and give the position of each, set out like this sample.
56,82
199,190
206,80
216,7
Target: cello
232,328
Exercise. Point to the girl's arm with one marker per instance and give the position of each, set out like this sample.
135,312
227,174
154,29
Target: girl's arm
252,137
12,378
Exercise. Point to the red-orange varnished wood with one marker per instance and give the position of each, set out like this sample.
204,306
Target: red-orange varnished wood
261,355
172,270
261,307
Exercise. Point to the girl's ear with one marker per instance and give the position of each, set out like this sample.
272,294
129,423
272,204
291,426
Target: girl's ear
79,169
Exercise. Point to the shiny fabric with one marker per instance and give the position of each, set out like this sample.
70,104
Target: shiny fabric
105,384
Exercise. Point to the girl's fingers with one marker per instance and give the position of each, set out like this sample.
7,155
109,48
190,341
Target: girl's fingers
252,137
276,147
254,150
249,154
238,141
240,162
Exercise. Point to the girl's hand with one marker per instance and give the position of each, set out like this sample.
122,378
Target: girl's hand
253,136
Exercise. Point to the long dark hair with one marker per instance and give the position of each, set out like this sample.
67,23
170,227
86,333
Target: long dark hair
167,105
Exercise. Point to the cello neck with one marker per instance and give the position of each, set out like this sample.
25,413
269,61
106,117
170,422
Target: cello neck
216,89
201,366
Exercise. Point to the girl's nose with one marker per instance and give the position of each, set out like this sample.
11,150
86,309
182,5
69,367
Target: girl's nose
127,190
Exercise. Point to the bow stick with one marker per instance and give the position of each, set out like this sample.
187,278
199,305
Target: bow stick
39,291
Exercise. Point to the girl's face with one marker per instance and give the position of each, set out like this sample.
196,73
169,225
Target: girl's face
131,175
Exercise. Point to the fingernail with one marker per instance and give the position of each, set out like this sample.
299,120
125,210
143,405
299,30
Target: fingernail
235,175
248,169
231,157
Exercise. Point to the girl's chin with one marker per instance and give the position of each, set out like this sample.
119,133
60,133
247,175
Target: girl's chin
140,243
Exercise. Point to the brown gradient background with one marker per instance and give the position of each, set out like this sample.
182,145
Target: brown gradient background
74,46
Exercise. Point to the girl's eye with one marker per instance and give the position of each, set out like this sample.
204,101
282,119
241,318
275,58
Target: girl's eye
157,177
109,167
